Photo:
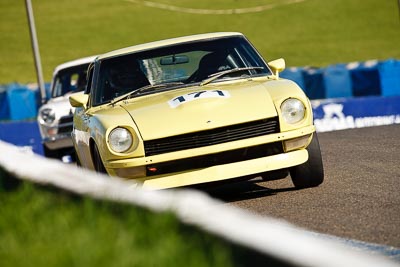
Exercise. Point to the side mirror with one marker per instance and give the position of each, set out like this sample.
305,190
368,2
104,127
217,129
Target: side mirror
277,66
79,100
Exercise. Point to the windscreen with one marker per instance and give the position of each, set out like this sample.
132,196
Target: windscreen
176,66
70,80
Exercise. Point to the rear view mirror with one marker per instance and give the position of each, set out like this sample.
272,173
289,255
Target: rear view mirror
79,100
173,60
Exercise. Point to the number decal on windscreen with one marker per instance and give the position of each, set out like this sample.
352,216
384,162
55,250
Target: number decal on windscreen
177,101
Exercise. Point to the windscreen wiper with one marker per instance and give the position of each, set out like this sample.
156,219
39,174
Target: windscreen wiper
215,76
144,88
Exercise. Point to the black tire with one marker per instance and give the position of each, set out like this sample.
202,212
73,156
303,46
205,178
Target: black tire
275,175
310,173
97,162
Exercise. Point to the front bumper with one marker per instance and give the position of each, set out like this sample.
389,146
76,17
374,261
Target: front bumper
57,136
218,172
58,141
227,171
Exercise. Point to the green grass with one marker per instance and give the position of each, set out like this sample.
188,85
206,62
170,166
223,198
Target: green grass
39,227
313,32
43,226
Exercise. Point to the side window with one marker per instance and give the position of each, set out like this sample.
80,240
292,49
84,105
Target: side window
81,81
57,90
74,82
63,84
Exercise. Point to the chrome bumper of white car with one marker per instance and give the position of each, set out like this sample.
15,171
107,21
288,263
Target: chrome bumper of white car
58,142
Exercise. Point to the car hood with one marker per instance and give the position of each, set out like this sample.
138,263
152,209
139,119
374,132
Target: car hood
200,108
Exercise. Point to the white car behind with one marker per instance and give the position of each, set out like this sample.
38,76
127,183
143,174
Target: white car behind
56,115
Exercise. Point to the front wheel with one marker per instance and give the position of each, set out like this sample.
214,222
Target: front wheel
310,173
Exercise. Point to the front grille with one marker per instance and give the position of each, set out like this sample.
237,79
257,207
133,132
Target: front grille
65,124
220,158
212,137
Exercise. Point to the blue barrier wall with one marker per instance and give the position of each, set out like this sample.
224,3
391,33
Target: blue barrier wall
295,74
337,81
24,134
365,79
357,79
389,72
20,101
23,102
314,83
4,107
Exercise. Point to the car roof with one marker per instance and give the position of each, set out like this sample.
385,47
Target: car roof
167,42
72,63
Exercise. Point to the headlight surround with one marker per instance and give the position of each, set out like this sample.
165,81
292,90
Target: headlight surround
48,115
120,139
293,110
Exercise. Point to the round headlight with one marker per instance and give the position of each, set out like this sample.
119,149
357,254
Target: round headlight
293,110
48,115
120,139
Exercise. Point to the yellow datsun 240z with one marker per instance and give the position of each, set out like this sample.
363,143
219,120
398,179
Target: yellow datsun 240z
193,110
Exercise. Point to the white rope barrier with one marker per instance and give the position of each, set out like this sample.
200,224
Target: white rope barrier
268,236
214,11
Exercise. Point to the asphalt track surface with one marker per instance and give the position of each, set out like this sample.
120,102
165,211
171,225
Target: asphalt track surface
359,199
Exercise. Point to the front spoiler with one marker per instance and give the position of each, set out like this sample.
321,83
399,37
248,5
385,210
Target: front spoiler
226,171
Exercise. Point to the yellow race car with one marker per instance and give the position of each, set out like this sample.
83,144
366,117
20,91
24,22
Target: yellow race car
191,110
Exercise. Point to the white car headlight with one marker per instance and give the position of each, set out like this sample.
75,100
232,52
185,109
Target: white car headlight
120,139
48,115
293,110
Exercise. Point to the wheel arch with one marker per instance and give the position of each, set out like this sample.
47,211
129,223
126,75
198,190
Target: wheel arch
92,145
